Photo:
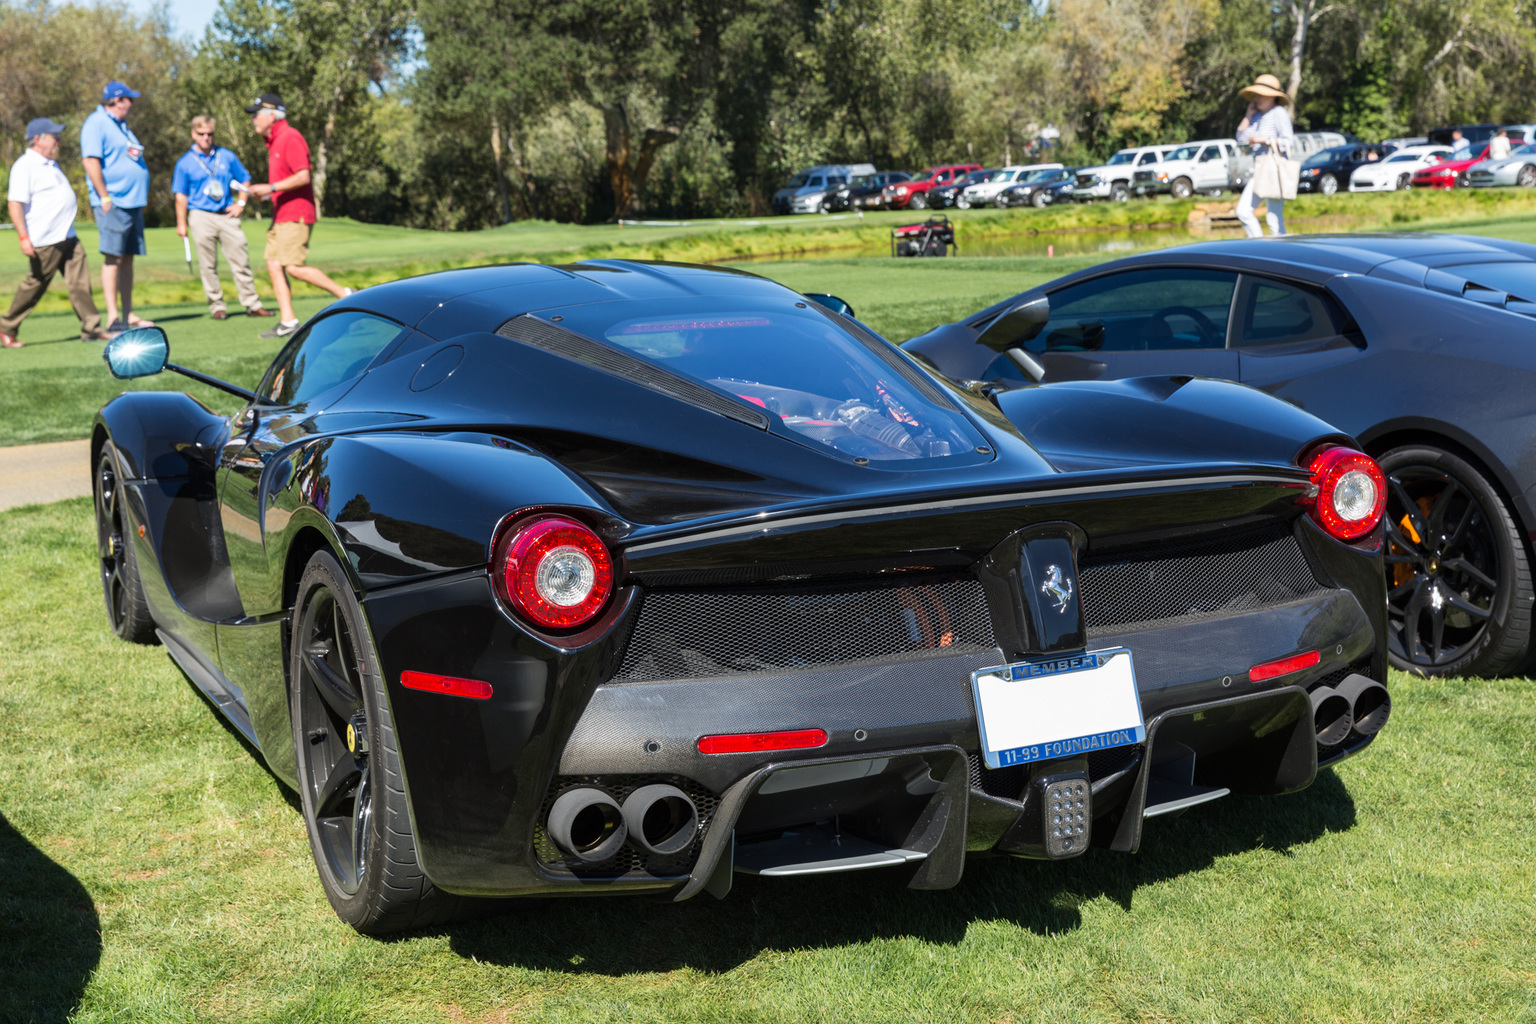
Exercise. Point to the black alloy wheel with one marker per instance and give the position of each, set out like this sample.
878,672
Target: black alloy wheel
1327,184
127,610
1182,188
1526,176
349,772
1404,182
1463,180
1459,589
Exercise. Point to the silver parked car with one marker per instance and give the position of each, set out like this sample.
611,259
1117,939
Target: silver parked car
1519,168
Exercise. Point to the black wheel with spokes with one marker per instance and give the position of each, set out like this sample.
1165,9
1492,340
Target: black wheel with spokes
349,771
1459,590
127,610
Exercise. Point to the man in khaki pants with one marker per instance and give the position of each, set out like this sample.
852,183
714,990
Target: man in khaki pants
207,176
42,206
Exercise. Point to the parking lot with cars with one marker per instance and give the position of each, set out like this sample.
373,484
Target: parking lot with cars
1332,162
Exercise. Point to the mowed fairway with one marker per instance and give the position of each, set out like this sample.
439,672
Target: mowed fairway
152,870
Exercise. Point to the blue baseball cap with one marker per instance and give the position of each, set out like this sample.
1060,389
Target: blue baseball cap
43,126
116,90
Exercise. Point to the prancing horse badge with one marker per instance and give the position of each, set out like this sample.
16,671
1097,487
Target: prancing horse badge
1057,586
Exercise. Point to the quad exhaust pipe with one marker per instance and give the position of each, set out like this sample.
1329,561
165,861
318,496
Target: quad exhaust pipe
590,825
1369,702
1359,704
587,823
661,819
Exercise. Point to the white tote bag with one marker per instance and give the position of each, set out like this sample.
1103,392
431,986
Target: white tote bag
1275,176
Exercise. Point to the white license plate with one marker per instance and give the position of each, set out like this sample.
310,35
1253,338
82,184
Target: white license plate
1046,708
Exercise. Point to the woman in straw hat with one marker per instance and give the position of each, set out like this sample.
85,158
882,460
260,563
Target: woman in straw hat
1267,123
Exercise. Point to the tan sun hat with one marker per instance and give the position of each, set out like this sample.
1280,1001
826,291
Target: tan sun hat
1265,85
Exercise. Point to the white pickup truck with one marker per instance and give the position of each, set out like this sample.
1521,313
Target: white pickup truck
1210,166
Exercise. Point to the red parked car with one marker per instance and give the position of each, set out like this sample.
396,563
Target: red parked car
1450,174
914,193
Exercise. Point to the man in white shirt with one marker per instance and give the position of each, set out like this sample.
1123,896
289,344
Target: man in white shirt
42,205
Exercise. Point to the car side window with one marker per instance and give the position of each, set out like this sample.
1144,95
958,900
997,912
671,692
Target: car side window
1140,310
1210,153
1276,313
325,353
1147,158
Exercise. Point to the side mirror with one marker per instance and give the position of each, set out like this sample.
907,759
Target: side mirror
1016,325
137,352
833,303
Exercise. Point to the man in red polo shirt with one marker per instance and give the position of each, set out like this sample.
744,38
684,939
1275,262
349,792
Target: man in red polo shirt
293,209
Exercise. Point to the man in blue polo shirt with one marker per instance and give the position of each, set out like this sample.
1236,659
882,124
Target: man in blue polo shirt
206,180
117,180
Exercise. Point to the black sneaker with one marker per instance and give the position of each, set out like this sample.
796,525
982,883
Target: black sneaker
282,330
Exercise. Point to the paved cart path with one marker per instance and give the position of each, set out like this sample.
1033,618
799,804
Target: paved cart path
32,474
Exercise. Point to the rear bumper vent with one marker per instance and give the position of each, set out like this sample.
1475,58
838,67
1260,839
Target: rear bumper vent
1191,581
684,634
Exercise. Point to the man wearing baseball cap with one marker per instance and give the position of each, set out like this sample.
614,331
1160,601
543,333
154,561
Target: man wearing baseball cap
293,209
117,181
42,205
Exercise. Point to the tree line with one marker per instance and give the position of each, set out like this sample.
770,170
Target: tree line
462,114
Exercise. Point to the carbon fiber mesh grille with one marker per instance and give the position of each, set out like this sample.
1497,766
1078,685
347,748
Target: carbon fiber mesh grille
630,859
686,634
1187,582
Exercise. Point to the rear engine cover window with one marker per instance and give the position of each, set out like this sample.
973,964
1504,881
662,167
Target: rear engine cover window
825,387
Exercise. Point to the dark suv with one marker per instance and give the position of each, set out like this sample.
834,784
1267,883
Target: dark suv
1328,170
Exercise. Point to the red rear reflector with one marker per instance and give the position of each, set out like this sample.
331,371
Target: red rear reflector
1283,666
451,685
751,742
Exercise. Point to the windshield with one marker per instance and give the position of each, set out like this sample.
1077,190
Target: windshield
1184,153
1401,158
825,386
1125,156
1047,175
922,176
1318,159
797,181
1004,175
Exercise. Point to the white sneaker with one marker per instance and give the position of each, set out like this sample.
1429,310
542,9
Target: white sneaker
345,292
282,330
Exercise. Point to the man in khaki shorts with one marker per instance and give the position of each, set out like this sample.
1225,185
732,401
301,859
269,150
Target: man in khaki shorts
293,209
206,180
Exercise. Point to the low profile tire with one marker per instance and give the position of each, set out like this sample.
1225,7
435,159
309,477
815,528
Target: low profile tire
127,610
1182,188
1327,184
349,770
1526,176
920,201
1459,589
1463,180
1404,182
1120,192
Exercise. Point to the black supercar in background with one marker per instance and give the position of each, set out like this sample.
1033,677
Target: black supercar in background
1421,346
623,577
1042,188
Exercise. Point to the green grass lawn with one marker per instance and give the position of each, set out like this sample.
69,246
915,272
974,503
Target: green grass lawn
155,872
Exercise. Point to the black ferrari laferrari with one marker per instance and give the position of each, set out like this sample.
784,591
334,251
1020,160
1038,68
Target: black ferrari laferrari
1420,346
624,577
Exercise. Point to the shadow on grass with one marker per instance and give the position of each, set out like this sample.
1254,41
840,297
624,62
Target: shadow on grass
50,936
619,935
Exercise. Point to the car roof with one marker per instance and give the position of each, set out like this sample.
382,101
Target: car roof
481,299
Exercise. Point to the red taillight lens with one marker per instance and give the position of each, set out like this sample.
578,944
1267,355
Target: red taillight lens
1283,666
554,571
454,686
753,742
1351,492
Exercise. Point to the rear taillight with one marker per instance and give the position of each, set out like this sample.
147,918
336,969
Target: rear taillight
1351,492
554,571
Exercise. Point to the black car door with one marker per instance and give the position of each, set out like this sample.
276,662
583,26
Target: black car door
1286,330
1137,322
319,364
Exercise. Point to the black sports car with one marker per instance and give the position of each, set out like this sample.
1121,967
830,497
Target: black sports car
1328,170
1042,188
1421,346
621,577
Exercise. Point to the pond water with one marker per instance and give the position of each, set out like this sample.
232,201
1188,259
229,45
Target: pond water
1072,243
